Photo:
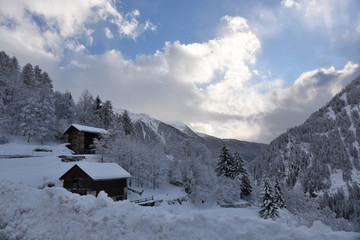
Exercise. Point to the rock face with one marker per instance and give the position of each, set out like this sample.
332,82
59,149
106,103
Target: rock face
174,136
322,154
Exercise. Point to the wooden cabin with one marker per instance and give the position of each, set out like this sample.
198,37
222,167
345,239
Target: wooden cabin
92,177
82,137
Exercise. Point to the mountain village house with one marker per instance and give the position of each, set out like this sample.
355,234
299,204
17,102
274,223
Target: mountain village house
92,177
82,137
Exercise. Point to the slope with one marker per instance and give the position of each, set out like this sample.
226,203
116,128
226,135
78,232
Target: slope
323,153
175,135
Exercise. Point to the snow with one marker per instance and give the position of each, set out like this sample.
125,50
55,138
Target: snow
178,125
27,212
151,122
103,170
83,128
331,113
54,213
35,168
337,182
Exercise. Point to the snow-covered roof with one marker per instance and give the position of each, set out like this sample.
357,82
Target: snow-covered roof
103,170
83,128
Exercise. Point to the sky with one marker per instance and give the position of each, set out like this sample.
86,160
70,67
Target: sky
233,69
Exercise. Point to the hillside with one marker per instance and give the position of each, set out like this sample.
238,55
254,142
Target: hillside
322,155
174,135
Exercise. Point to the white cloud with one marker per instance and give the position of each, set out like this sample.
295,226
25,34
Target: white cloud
209,85
49,27
108,33
322,13
290,3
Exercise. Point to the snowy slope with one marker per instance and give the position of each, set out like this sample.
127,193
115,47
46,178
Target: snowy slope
323,153
19,163
321,157
174,134
54,213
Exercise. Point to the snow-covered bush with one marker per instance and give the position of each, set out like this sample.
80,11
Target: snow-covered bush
307,211
228,190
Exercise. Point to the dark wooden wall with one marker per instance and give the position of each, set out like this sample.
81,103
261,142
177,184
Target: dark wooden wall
77,181
81,142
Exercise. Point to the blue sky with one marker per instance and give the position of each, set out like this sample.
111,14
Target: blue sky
234,69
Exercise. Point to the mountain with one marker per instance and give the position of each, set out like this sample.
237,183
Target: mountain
321,156
323,152
174,135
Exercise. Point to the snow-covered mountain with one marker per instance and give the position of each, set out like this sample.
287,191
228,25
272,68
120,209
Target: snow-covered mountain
175,134
322,155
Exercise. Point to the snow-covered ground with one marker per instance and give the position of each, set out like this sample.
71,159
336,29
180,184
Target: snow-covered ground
20,163
27,212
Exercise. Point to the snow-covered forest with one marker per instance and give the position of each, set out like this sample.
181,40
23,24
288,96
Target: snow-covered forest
321,156
294,176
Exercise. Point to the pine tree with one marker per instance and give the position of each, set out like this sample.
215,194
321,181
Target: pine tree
46,117
268,208
239,164
226,166
86,110
278,196
28,76
127,124
107,115
64,110
245,185
29,118
97,108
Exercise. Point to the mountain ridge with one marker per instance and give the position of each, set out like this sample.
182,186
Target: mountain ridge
324,148
172,134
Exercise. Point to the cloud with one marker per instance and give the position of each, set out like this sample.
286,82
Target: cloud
108,33
50,28
337,17
214,86
290,3
189,82
210,85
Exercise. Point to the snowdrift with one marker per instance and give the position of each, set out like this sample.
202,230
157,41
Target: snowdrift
54,213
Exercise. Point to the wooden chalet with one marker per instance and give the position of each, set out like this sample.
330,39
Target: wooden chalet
92,177
82,137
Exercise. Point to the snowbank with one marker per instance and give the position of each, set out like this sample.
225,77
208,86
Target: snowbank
54,213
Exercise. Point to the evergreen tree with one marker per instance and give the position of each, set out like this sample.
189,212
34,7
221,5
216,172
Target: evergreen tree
97,109
29,118
268,208
98,103
64,110
239,164
28,76
245,185
278,196
46,117
226,166
86,110
127,124
107,115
